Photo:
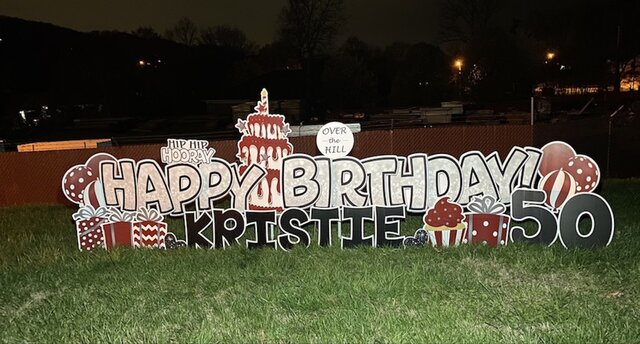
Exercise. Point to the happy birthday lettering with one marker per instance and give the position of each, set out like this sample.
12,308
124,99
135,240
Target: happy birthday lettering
414,182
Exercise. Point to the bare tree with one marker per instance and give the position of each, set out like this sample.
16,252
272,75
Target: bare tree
184,32
146,32
226,36
311,25
463,20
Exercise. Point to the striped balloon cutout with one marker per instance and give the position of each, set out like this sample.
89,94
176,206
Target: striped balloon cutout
93,195
559,186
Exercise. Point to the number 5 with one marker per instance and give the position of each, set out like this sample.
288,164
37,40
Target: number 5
547,224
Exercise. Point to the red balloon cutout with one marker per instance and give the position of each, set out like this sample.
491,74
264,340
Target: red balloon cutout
555,156
585,171
75,181
94,162
559,186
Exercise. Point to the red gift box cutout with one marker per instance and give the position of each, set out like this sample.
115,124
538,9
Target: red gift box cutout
118,232
88,222
149,230
487,224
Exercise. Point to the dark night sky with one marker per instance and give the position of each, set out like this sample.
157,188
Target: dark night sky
378,22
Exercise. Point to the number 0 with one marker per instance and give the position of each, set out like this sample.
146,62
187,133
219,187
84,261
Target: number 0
602,224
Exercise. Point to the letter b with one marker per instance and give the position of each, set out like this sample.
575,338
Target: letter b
299,187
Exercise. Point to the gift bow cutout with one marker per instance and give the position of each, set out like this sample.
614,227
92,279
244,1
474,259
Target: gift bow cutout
146,214
88,211
486,205
121,216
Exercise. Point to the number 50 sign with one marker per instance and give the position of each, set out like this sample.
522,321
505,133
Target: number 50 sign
529,205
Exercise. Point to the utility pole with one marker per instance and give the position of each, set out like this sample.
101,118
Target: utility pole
609,140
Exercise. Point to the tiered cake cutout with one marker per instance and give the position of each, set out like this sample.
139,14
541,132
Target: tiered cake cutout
264,142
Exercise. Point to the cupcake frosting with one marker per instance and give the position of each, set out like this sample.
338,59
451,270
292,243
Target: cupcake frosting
444,214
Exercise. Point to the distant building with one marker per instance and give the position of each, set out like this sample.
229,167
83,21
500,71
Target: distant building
566,90
629,81
232,109
630,78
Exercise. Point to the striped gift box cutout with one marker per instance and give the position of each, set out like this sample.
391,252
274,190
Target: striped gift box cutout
149,234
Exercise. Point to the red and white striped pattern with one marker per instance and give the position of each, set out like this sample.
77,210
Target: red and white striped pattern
559,186
93,195
447,238
149,234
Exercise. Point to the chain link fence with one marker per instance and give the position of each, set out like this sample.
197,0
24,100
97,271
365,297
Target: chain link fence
35,177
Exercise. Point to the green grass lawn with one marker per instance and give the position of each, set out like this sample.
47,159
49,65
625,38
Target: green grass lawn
50,292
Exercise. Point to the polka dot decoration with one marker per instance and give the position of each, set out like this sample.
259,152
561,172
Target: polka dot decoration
584,171
75,181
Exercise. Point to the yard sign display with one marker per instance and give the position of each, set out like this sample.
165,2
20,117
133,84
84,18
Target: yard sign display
281,199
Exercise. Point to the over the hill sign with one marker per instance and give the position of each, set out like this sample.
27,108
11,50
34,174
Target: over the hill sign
280,199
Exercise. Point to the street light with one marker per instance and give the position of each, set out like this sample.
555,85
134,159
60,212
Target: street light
458,64
550,56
